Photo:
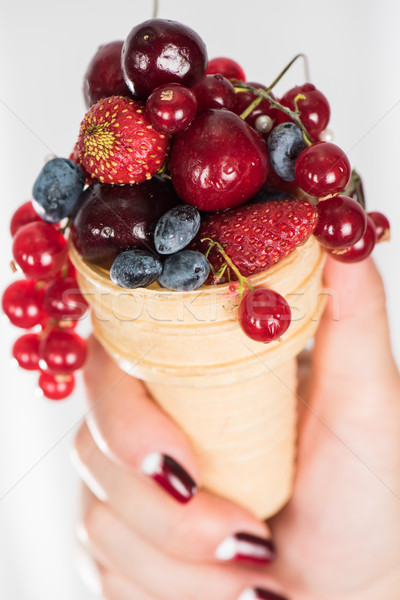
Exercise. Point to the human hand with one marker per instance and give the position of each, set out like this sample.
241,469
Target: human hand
339,537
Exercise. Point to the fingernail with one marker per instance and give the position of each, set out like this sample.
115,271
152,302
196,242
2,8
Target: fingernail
247,547
259,594
170,476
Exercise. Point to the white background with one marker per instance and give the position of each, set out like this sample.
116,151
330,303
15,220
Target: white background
354,57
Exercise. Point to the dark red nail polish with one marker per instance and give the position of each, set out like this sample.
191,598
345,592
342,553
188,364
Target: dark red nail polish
170,475
260,594
246,547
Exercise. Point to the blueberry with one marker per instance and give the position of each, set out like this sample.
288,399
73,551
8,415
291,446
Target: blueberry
284,145
135,268
57,189
176,229
185,271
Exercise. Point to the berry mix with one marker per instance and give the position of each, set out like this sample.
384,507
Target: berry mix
183,174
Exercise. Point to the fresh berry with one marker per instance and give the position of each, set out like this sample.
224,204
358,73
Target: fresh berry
214,91
22,302
322,169
104,77
256,236
284,146
159,51
227,67
218,161
117,218
26,351
62,351
245,98
184,271
314,108
171,107
118,144
56,387
341,222
39,250
135,268
23,215
176,229
63,300
264,315
57,189
361,250
382,226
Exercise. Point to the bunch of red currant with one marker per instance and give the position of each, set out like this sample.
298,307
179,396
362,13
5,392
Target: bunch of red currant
47,301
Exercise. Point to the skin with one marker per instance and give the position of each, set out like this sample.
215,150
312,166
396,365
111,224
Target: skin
338,537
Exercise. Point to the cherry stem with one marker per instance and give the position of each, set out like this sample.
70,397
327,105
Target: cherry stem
242,280
286,69
155,9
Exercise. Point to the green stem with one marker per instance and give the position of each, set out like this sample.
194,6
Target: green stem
286,69
355,187
242,280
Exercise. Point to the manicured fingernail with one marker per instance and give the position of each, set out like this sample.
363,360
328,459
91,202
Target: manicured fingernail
259,594
246,547
171,476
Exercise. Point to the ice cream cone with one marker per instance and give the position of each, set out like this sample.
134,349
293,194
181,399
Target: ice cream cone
235,398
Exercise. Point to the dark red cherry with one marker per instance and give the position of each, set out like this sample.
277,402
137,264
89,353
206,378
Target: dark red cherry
159,51
171,107
227,67
104,75
214,91
218,162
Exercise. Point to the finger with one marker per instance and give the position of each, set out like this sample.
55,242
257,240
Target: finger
131,430
221,530
115,587
160,575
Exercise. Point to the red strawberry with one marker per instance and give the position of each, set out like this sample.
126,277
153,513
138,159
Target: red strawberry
117,144
256,236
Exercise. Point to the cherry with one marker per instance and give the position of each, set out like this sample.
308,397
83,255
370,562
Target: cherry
112,218
22,302
341,222
26,351
264,315
226,67
245,98
322,169
104,77
218,162
362,249
62,351
171,107
39,250
382,226
63,300
23,215
56,387
314,108
159,51
214,91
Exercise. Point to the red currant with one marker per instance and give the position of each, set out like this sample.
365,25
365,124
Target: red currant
26,351
40,250
22,302
382,226
264,315
361,249
245,98
63,300
227,67
322,169
56,387
171,107
314,108
341,222
214,91
62,351
23,215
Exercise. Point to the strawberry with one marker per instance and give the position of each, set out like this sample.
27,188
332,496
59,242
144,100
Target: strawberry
117,144
256,236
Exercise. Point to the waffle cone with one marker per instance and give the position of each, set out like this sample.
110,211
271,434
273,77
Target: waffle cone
234,398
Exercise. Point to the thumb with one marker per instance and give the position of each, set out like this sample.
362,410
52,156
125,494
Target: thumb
352,345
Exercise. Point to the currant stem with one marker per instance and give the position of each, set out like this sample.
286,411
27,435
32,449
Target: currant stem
355,187
242,280
286,69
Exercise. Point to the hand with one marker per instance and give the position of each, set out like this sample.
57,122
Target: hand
339,536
